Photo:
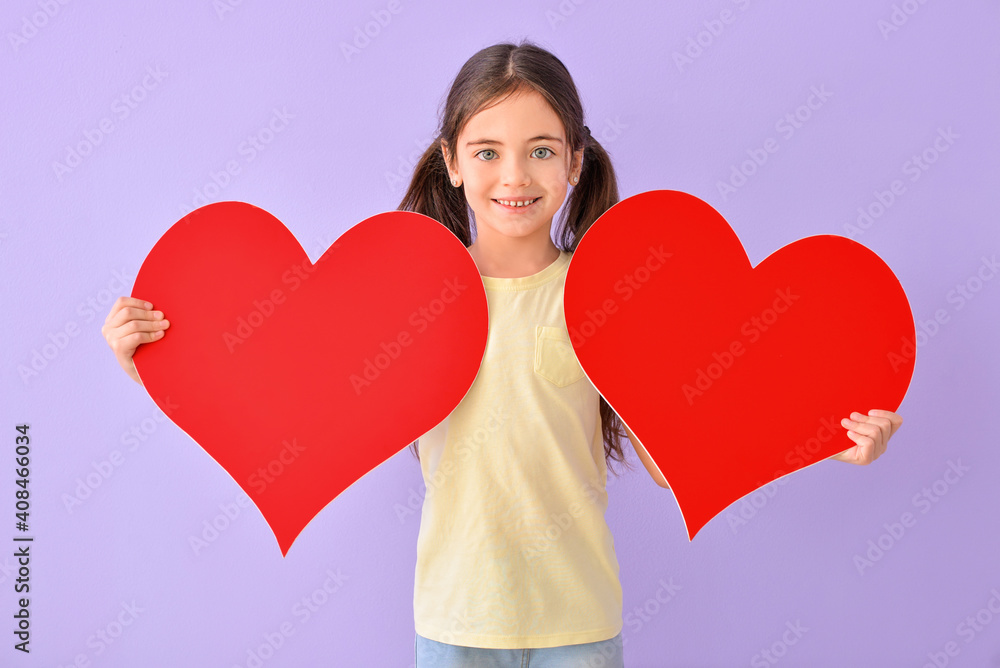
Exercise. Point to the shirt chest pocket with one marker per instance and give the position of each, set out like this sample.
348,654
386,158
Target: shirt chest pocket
555,360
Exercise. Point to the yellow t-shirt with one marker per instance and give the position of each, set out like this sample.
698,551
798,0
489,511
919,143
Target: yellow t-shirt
514,550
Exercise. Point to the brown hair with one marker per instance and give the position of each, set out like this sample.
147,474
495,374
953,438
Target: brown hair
488,77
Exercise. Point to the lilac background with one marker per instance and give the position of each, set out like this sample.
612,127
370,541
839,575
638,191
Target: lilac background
356,127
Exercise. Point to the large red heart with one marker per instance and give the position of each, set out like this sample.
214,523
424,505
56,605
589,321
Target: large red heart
299,378
732,376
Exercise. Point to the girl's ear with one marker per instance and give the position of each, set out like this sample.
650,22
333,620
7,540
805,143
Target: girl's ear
447,163
577,165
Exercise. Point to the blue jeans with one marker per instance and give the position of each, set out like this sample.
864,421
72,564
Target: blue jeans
602,654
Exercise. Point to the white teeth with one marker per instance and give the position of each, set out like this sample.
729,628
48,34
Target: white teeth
516,204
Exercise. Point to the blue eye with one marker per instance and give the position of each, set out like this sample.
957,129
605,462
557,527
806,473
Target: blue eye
544,148
488,150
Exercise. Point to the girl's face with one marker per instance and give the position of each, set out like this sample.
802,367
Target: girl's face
515,150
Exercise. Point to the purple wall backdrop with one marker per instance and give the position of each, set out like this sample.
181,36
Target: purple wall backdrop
155,101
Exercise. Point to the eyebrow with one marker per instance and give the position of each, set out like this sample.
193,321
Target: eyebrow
499,143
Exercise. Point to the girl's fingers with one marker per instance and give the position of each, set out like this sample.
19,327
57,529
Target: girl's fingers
883,425
132,334
871,435
124,302
895,419
145,325
132,314
138,338
865,447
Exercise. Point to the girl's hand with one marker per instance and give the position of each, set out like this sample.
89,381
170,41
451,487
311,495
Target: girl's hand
128,325
871,433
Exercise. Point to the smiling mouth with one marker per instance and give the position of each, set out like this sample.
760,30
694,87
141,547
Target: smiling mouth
517,207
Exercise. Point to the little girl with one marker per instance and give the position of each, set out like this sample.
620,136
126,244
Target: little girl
516,565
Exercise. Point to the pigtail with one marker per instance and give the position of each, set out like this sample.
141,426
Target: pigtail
431,193
596,193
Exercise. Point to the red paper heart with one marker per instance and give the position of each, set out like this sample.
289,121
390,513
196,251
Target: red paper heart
732,376
299,378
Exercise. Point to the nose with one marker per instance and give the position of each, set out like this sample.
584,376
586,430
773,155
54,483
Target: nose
515,172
